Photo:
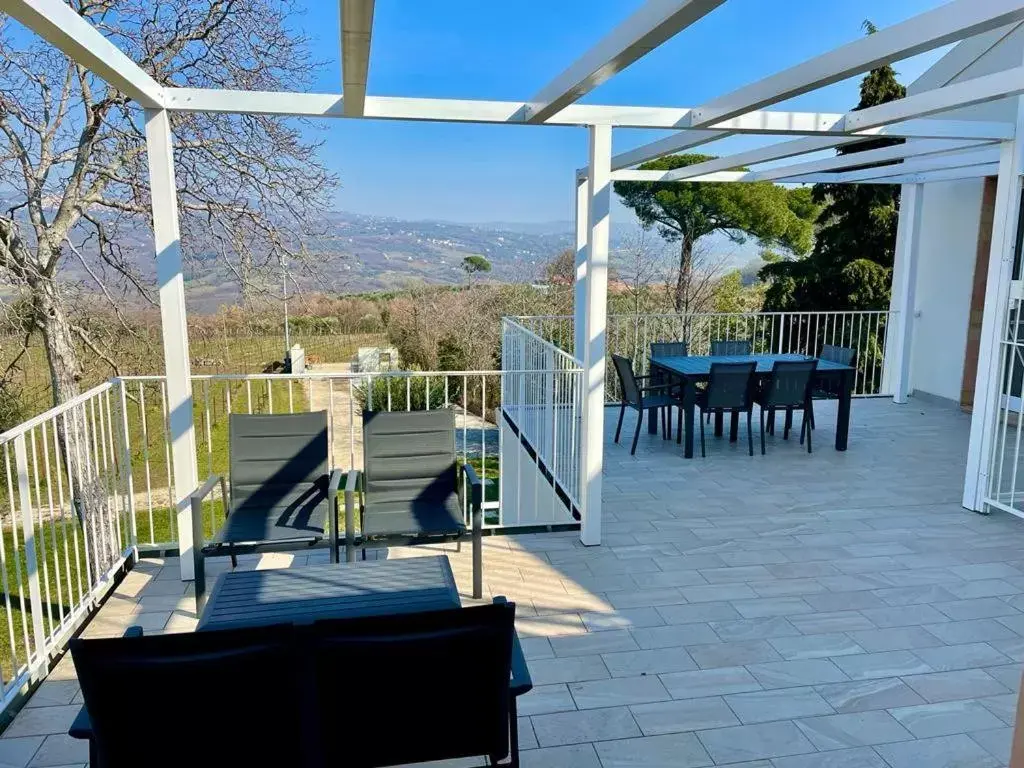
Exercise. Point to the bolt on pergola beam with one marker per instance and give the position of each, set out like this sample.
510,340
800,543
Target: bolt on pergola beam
651,25
57,23
932,29
778,151
855,159
1009,82
510,113
356,29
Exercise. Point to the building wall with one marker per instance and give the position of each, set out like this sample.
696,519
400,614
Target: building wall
950,217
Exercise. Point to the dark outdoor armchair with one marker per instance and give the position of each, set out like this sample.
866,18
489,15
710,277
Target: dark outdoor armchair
641,398
282,496
411,488
406,688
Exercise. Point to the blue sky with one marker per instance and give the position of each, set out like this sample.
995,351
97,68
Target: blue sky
508,50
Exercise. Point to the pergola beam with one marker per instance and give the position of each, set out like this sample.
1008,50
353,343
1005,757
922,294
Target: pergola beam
56,22
510,113
748,177
956,160
356,29
651,25
948,23
761,155
669,145
1009,82
855,159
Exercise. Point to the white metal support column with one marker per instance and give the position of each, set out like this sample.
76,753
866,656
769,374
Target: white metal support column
905,270
167,239
997,291
580,285
595,311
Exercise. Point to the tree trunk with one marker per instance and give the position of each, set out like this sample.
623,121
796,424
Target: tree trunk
681,295
79,430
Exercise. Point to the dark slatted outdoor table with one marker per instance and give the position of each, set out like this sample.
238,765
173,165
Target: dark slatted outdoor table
691,370
308,594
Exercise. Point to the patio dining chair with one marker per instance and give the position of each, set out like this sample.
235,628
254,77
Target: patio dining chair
729,390
411,489
788,389
659,377
731,347
824,388
280,495
641,399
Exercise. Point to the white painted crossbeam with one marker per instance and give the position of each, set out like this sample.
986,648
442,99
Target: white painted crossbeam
651,25
356,29
855,159
670,145
56,22
761,155
510,112
982,89
950,22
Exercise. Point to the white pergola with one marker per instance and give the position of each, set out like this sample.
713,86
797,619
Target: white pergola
936,149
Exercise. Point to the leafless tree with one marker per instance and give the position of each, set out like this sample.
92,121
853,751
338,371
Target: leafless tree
72,150
73,162
643,264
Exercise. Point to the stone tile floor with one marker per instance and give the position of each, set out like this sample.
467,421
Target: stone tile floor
833,610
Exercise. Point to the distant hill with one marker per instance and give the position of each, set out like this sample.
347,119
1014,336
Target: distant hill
360,253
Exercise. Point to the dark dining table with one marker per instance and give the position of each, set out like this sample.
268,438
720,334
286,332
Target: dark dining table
691,370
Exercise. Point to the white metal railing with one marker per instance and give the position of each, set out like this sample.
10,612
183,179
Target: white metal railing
475,395
544,400
67,526
631,335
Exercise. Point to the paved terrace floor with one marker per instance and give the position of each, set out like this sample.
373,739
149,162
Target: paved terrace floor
838,610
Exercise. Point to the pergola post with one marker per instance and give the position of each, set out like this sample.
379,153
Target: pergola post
167,241
908,239
580,285
595,310
993,324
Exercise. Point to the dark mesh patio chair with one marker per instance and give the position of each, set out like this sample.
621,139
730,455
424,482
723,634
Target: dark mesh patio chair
411,488
641,399
245,684
282,494
732,347
427,686
721,348
730,389
825,388
788,389
659,377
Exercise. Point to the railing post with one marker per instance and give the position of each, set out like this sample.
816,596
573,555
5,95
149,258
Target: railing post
31,560
126,466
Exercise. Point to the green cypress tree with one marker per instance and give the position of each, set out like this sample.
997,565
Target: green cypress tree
850,266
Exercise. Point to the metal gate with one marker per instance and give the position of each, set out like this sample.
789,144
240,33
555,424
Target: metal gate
1005,472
